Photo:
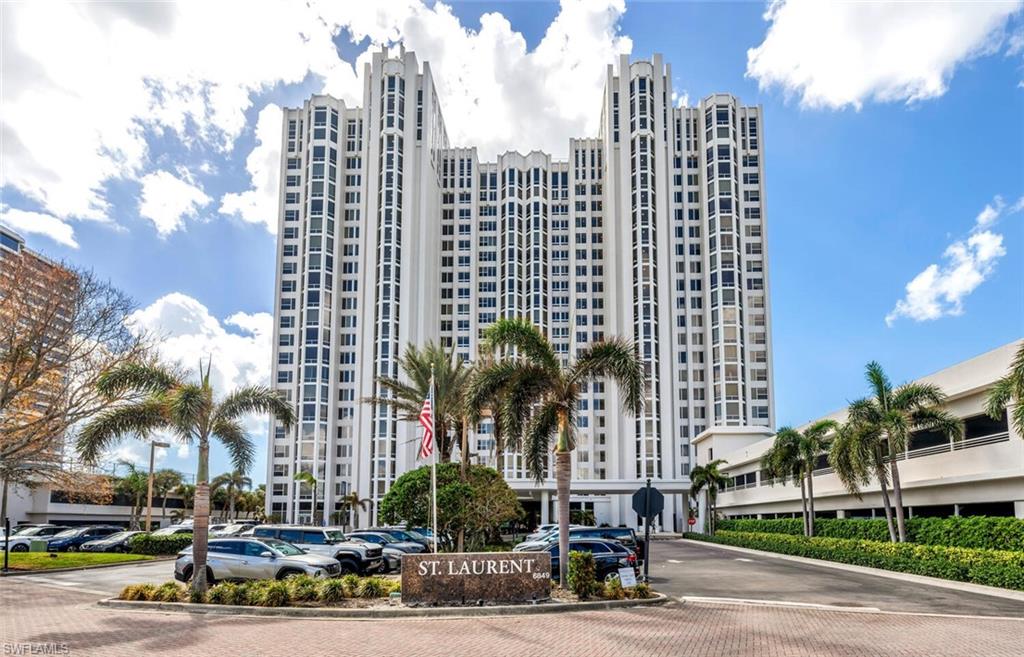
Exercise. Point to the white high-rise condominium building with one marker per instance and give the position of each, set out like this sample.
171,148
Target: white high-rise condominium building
653,230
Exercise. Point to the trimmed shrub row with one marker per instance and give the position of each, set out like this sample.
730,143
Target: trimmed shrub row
1001,568
157,545
300,590
979,532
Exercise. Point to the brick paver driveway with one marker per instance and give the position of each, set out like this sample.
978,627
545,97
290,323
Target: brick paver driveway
36,615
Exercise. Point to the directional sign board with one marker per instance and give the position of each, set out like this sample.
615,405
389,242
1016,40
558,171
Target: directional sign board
640,502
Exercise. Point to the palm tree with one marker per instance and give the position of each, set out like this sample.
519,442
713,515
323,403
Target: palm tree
795,454
162,399
1009,389
307,478
134,485
709,479
879,431
347,505
479,407
542,395
187,493
233,482
165,481
450,378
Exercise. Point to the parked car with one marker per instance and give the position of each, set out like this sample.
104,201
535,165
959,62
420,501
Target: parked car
385,538
255,558
609,556
544,530
353,556
625,535
406,535
117,542
70,540
229,530
173,529
22,538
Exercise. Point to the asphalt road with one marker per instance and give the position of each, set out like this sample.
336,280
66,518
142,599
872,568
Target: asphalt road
687,568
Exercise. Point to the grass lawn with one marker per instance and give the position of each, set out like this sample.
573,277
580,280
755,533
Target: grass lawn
47,561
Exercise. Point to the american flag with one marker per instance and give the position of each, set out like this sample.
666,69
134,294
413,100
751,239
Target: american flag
427,421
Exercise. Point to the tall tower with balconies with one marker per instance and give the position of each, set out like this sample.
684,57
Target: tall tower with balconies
652,230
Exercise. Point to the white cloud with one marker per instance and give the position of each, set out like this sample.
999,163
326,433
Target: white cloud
122,71
189,333
110,72
39,223
240,347
990,212
839,54
940,290
259,203
166,201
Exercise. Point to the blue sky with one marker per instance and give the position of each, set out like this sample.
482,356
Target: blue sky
888,130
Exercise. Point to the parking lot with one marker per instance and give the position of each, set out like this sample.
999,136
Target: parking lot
59,608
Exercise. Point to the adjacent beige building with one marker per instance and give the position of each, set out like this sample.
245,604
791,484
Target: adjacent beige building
980,474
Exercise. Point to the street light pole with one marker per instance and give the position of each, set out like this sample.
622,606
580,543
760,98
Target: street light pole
149,495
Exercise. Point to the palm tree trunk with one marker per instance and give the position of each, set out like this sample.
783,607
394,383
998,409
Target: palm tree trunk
563,476
464,448
886,504
897,494
201,520
810,501
231,502
803,501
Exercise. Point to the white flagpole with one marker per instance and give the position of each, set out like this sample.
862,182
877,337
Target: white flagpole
433,467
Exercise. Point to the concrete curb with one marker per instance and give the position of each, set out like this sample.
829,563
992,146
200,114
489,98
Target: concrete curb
378,613
26,573
966,587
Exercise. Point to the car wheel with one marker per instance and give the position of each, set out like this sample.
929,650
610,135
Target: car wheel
611,577
288,573
348,568
19,548
72,548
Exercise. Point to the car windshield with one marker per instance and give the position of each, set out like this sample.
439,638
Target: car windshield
165,531
118,536
28,531
67,532
334,535
398,534
287,549
416,535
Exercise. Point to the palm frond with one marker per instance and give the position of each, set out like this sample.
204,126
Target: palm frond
536,444
255,399
188,406
910,396
999,396
522,335
879,382
934,419
146,378
239,444
617,359
113,425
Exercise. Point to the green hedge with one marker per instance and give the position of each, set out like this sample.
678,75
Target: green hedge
980,532
1003,568
149,544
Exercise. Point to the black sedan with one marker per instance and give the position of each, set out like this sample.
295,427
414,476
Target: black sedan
609,556
114,543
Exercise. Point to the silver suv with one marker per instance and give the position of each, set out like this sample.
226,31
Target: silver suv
353,556
251,558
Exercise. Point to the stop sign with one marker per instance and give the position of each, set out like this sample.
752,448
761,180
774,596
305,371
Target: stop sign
691,521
